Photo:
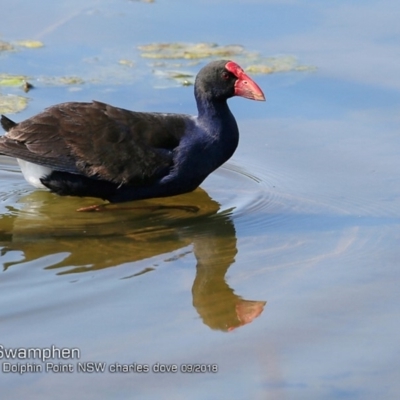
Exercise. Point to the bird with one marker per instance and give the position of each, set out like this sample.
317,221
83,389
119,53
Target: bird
92,149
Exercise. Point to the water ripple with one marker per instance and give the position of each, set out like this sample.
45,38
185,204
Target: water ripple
253,197
261,199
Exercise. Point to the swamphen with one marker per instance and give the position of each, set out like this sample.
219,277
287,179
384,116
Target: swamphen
97,150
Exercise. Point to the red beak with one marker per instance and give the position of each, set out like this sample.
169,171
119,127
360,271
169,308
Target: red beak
247,88
244,86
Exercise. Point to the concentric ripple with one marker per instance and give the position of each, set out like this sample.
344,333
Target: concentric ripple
254,195
262,198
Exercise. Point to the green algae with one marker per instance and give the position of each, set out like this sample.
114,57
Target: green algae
172,60
24,44
30,44
12,80
189,50
10,104
4,46
62,80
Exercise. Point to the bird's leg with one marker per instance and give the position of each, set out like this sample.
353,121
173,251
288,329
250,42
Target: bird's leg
95,207
102,207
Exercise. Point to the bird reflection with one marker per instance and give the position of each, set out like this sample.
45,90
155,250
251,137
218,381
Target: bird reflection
215,301
38,227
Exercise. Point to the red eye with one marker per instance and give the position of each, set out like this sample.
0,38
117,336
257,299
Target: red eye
225,75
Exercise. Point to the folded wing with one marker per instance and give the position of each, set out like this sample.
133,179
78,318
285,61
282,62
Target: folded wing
97,141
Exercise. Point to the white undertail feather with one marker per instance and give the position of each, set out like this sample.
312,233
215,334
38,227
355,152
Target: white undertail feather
33,172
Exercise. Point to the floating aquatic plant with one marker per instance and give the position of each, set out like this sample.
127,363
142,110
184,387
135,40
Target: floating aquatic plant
10,104
173,76
191,54
173,64
4,46
277,64
12,80
189,50
63,80
126,62
31,44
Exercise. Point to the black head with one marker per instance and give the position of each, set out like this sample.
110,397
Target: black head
223,79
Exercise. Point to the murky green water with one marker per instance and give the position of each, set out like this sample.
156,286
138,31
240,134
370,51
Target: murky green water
281,272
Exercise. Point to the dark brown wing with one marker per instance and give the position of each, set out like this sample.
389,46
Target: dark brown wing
98,140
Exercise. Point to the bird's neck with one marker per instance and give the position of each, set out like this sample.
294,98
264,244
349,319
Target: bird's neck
219,123
210,108
216,114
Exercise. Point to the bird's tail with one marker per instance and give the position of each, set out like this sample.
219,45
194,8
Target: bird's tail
6,123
